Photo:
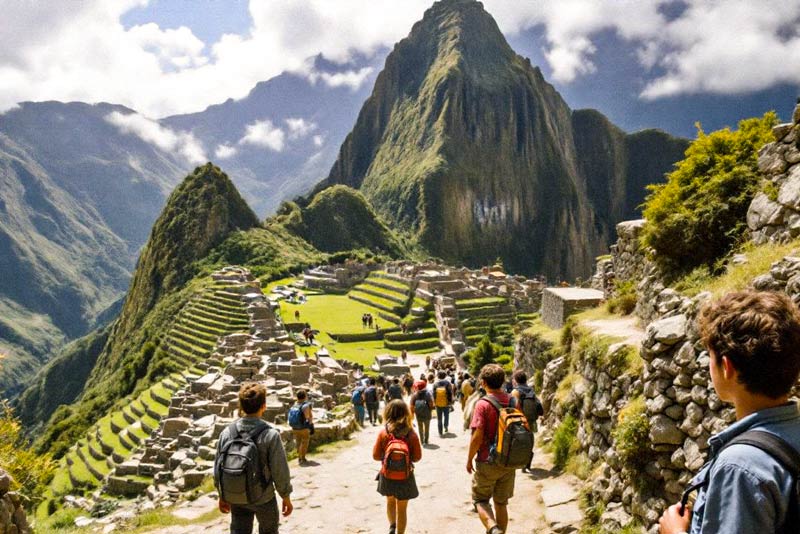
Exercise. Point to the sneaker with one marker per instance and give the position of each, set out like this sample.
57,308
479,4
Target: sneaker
494,530
392,529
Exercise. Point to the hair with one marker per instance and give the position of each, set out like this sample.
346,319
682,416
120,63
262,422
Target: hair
252,397
441,375
301,394
520,377
397,416
759,332
371,381
396,380
422,376
430,377
493,375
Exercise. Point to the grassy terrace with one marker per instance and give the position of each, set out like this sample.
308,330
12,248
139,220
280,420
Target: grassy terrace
339,317
478,314
214,313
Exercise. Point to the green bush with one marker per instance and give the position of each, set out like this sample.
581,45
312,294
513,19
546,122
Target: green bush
631,435
564,443
623,301
31,472
485,353
699,214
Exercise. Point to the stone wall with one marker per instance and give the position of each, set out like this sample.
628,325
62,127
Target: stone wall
774,215
12,512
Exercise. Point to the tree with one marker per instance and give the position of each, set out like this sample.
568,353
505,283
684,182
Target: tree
699,215
485,353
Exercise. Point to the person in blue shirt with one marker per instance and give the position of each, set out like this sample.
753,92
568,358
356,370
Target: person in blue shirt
753,340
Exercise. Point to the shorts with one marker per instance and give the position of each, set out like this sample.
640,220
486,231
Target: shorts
492,482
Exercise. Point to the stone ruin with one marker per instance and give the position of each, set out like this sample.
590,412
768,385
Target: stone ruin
558,303
333,277
179,455
12,511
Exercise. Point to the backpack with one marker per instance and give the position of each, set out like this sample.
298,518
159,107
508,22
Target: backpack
529,404
441,394
238,473
783,453
396,459
297,417
358,396
422,407
513,443
371,395
395,392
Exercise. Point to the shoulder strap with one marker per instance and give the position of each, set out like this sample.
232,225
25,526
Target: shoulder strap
494,402
773,445
233,432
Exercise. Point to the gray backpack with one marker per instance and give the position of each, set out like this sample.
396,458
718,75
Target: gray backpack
238,473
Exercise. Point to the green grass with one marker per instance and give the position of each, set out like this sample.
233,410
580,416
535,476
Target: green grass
480,302
538,328
336,314
400,286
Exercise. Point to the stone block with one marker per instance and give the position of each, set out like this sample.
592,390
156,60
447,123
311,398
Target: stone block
173,427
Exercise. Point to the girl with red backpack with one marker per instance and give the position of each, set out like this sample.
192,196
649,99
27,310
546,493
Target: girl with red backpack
397,448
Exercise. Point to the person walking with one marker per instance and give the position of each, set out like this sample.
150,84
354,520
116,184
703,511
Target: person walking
357,398
250,439
490,483
395,391
748,484
421,405
398,449
372,401
467,387
301,420
525,400
443,399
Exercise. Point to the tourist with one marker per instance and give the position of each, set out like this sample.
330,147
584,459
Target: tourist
253,499
525,401
752,340
427,362
408,383
297,315
369,320
397,489
363,320
443,400
489,482
395,391
467,387
357,398
421,405
301,420
372,400
404,356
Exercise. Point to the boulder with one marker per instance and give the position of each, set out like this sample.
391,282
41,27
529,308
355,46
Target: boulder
668,331
664,431
789,194
764,212
175,426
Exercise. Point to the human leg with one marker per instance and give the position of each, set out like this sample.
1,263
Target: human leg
267,515
446,416
241,520
391,511
439,416
501,515
426,428
402,516
302,437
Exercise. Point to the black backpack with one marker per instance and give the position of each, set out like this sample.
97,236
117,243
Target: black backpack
395,392
529,404
238,472
422,407
371,395
780,451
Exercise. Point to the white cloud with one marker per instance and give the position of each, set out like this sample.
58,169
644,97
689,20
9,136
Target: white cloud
264,134
299,128
150,131
225,151
319,140
80,50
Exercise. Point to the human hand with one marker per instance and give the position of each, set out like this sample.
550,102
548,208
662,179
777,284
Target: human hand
470,467
287,507
224,507
672,522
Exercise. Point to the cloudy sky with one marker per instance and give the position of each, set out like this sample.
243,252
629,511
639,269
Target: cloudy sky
664,63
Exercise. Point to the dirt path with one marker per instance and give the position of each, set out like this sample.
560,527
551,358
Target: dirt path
338,493
626,328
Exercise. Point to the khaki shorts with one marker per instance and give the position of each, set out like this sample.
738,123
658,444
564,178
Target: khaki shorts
492,482
301,437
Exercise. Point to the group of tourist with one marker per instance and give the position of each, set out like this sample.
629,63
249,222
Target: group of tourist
368,321
750,483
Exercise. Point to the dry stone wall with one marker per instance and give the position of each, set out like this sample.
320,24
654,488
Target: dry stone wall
774,215
680,408
12,512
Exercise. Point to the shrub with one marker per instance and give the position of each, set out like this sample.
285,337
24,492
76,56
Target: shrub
623,300
699,214
31,472
631,435
564,443
485,353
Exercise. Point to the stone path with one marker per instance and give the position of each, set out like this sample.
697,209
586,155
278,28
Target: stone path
625,327
337,494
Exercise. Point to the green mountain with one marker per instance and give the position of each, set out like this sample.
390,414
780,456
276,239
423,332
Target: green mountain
465,145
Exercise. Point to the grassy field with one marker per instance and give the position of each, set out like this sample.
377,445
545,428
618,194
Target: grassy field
334,314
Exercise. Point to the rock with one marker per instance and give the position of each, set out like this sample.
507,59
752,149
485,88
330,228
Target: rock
694,458
789,194
770,159
782,130
664,431
5,482
175,426
668,331
764,212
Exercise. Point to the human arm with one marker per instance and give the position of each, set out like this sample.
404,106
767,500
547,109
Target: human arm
278,465
415,447
672,522
308,413
411,402
475,443
378,448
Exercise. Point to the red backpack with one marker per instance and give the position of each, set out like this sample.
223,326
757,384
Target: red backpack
396,459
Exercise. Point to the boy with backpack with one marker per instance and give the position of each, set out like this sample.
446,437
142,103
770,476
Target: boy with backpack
301,420
357,398
526,401
372,401
250,466
501,443
750,483
421,405
442,399
395,391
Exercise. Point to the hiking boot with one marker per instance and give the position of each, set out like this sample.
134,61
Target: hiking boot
495,530
392,529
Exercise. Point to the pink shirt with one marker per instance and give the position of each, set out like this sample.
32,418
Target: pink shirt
485,416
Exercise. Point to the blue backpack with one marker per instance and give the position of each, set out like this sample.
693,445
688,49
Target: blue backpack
358,396
297,417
